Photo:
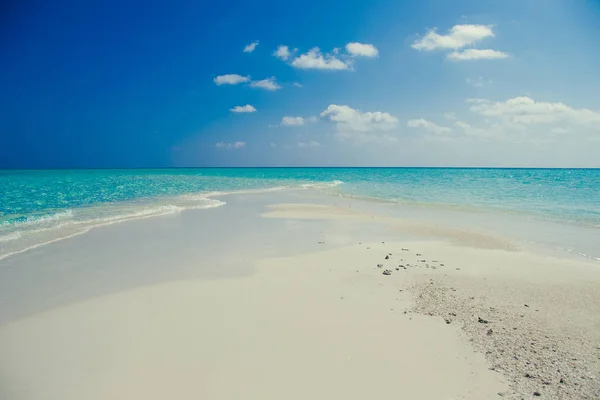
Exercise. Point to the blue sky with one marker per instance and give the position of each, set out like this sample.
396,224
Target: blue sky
393,83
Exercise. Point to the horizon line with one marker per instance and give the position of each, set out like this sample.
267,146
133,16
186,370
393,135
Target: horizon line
287,167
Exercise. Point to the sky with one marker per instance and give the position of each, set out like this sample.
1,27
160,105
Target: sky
128,84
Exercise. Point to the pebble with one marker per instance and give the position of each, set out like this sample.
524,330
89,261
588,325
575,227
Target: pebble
482,321
379,265
387,257
387,272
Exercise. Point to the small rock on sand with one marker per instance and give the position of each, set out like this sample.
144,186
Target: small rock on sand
379,265
387,272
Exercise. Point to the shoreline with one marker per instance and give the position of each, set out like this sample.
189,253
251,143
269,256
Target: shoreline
419,213
123,307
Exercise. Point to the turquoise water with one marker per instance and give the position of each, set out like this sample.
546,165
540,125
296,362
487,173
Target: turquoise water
34,205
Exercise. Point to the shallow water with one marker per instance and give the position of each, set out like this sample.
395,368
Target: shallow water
39,207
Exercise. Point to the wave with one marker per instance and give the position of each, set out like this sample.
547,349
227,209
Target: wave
33,231
10,236
34,236
38,219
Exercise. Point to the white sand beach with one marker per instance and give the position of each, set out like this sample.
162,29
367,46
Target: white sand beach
297,295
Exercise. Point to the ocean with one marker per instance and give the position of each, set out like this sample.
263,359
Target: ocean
38,207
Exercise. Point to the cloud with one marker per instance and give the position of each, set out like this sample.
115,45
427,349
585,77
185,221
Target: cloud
231,79
458,37
477,83
250,47
462,125
526,111
243,109
283,52
314,59
477,54
363,50
298,84
350,119
450,115
267,84
292,121
472,131
310,144
428,126
230,146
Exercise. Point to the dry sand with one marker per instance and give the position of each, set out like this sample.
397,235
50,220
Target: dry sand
328,324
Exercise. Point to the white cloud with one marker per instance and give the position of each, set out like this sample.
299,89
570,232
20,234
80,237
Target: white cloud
336,50
267,84
363,50
350,119
230,146
312,118
524,110
312,144
477,54
314,59
231,79
450,115
428,126
243,109
458,37
462,125
472,131
292,121
298,84
477,82
283,52
250,47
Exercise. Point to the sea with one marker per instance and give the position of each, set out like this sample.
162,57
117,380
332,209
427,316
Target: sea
38,207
